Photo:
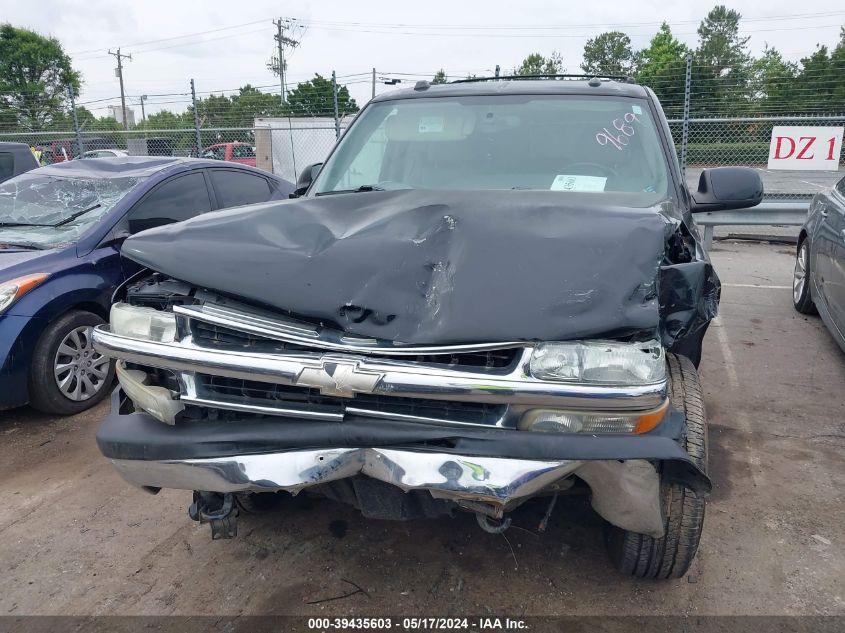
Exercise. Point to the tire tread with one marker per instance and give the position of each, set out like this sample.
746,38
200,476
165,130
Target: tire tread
671,555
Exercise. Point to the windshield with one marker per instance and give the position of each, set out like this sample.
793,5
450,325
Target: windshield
565,143
43,211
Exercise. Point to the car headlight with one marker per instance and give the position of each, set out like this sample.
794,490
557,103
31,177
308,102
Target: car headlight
143,323
14,289
600,362
555,421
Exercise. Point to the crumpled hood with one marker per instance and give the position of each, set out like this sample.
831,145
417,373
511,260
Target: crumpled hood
430,267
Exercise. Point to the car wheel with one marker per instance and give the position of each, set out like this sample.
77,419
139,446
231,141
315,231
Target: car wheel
801,280
67,375
683,511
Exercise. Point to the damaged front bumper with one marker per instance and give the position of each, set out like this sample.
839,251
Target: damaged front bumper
255,403
488,471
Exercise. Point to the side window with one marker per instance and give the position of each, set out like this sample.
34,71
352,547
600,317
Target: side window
215,153
7,165
172,201
234,188
242,151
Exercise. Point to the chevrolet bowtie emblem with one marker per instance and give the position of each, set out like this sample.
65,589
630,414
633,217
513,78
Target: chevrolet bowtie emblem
339,378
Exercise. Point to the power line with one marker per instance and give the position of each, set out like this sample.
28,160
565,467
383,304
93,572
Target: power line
175,37
568,25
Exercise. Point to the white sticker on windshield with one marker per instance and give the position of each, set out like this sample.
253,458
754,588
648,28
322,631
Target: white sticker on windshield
636,109
566,182
430,124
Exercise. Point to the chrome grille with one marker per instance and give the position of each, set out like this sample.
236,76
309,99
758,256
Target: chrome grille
282,397
213,335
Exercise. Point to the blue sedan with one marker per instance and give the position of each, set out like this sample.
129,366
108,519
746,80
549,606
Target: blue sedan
61,228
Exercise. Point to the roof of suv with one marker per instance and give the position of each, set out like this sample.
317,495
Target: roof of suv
518,87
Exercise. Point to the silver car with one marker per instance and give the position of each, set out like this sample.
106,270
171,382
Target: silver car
819,281
105,153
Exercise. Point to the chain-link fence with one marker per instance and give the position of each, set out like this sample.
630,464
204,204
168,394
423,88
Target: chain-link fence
258,128
285,145
714,142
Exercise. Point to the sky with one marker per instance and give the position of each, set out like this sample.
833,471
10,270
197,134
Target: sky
224,44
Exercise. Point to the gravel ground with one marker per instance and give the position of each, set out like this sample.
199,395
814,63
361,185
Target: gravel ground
77,540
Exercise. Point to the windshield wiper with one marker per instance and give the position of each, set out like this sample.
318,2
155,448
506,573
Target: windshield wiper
68,219
357,190
71,218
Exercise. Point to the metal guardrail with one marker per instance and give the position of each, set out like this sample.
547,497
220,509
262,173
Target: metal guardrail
764,214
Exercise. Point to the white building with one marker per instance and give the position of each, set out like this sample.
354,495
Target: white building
116,113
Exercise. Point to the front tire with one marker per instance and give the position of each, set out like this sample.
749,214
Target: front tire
67,375
802,279
683,512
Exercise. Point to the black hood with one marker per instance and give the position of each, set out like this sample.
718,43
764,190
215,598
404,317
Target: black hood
429,267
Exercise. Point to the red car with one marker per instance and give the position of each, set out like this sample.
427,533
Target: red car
243,153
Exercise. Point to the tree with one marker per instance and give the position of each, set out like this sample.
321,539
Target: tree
773,82
662,67
250,103
238,110
722,70
440,77
314,98
817,82
35,74
167,120
719,44
536,64
608,54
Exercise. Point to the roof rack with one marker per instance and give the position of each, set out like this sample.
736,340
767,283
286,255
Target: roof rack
600,77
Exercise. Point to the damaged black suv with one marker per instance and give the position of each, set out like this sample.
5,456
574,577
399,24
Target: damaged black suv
491,291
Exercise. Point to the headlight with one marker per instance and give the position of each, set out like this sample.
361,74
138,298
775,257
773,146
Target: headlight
143,323
11,291
600,362
554,421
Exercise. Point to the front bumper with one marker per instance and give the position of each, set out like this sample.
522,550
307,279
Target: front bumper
482,470
138,437
18,336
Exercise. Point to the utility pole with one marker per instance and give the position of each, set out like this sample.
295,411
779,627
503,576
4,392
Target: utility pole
685,128
119,73
144,115
336,113
282,40
196,120
374,83
80,148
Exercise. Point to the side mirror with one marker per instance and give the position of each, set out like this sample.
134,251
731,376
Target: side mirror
724,188
306,177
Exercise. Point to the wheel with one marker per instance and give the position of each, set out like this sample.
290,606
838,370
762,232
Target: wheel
671,555
67,375
801,280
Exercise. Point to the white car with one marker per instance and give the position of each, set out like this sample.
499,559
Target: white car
104,153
